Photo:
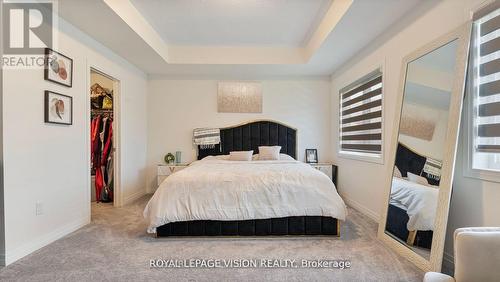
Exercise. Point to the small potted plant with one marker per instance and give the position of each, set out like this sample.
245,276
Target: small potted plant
169,158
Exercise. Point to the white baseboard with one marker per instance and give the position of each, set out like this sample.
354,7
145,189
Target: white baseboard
42,241
134,196
362,209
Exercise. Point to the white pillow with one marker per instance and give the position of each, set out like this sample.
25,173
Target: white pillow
269,153
397,172
283,157
417,179
240,155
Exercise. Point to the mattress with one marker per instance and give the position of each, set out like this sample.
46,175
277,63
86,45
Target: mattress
221,190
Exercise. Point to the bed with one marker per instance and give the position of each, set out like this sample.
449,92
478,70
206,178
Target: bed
412,211
412,206
214,197
419,202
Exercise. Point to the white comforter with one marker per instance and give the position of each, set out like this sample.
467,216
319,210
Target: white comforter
231,190
419,201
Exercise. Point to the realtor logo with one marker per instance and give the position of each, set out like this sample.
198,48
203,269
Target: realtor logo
27,27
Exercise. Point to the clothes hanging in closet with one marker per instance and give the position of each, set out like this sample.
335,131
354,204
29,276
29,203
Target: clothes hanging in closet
100,97
102,157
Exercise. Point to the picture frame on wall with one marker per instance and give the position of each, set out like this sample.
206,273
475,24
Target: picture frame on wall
58,68
311,156
58,108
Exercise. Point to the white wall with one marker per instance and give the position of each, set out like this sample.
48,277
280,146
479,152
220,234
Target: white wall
176,107
474,203
48,163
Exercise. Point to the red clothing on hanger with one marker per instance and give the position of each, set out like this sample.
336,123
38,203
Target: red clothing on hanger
108,145
99,184
96,123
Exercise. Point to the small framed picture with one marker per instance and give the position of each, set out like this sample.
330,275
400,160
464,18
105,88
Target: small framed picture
58,68
311,156
58,108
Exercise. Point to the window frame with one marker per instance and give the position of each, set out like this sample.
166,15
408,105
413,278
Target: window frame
470,132
365,157
469,147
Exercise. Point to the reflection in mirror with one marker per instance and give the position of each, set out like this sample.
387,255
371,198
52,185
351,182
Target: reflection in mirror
421,140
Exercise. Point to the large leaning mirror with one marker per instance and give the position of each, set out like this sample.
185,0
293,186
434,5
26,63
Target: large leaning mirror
424,148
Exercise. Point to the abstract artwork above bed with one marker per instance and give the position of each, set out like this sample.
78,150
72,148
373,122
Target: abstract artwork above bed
414,124
239,97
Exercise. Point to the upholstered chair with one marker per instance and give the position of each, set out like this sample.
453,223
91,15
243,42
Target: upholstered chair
477,256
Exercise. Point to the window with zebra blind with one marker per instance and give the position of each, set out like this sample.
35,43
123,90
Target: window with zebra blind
484,89
361,117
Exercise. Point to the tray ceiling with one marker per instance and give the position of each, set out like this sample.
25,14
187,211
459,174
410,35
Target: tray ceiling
236,22
235,38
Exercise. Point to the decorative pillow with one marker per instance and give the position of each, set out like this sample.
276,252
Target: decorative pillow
397,172
417,179
240,155
269,153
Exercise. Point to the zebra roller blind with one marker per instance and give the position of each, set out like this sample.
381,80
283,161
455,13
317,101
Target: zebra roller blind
361,116
486,48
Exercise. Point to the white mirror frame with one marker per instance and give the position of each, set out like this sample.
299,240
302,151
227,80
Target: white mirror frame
462,34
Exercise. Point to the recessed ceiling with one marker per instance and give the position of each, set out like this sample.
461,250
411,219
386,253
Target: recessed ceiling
240,39
234,22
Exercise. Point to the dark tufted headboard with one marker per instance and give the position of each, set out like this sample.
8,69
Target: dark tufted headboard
250,136
409,161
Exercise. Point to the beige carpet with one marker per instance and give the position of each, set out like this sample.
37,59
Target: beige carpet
115,247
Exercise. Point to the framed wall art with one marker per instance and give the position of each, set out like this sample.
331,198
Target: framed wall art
311,156
58,108
58,68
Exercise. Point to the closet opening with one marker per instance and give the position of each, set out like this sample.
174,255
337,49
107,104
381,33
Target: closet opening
104,189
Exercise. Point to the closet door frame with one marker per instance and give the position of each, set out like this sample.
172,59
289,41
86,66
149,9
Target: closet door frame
118,195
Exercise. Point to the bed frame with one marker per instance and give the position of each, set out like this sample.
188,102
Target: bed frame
250,136
397,218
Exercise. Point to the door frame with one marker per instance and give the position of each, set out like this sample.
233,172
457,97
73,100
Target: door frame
118,195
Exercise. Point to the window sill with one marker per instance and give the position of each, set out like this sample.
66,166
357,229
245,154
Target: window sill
363,158
482,174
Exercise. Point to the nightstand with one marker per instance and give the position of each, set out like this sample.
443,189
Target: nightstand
329,169
165,170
